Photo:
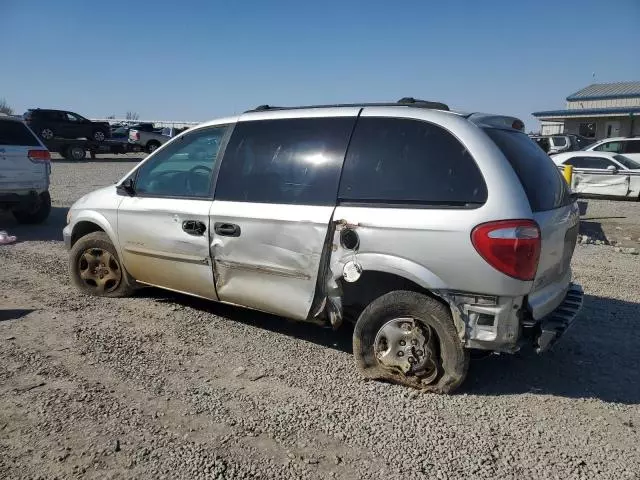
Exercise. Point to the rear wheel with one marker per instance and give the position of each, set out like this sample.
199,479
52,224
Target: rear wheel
152,146
95,268
46,133
36,212
76,153
410,339
99,135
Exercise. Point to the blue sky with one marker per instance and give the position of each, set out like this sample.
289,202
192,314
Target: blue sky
199,59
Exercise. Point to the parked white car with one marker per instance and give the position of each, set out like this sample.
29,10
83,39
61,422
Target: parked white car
599,173
24,172
627,146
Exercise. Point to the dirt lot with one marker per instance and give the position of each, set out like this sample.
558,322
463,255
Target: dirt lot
166,386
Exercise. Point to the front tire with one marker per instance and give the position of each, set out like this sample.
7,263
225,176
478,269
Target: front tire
408,338
95,269
37,213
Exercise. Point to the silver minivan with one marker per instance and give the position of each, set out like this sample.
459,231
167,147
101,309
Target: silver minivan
24,172
434,232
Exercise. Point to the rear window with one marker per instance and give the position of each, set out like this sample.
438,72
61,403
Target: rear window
16,133
632,146
409,162
560,141
628,162
540,178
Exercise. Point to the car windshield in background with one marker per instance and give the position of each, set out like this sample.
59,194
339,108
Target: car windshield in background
627,162
16,133
541,179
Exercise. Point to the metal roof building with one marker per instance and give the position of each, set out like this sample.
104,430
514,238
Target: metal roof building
597,111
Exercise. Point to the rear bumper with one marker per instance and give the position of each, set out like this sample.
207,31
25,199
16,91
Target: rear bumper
556,324
19,200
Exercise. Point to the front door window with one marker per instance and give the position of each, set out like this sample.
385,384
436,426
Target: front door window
183,168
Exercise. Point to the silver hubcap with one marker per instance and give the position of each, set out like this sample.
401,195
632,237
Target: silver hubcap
408,346
98,136
47,134
152,147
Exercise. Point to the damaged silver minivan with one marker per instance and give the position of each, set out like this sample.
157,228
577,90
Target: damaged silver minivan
435,232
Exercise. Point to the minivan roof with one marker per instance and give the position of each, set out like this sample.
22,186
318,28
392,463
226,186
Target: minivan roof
405,101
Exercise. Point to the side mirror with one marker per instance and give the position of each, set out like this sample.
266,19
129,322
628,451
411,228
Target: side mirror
126,188
612,168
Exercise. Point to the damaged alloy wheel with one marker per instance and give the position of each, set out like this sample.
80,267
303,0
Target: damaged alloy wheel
409,338
95,268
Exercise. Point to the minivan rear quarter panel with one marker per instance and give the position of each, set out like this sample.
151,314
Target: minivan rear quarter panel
438,240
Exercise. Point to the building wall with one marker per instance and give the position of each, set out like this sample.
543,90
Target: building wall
551,128
609,103
573,126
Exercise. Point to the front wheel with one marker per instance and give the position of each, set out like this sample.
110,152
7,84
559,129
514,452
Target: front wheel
410,339
95,268
38,212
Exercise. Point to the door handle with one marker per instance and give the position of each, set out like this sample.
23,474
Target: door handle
227,229
194,227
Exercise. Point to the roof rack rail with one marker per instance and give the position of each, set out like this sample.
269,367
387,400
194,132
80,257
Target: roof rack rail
404,101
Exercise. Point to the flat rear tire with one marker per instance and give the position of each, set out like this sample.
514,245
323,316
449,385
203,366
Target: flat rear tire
410,339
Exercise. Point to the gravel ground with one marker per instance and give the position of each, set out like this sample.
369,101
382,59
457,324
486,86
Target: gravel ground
166,386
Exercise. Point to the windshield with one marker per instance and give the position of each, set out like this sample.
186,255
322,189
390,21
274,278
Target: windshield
627,162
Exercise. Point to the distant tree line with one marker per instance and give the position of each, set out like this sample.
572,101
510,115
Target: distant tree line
5,107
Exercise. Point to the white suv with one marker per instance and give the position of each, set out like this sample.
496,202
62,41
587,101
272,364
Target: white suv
24,172
627,146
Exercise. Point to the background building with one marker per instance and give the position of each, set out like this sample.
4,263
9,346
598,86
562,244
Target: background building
598,111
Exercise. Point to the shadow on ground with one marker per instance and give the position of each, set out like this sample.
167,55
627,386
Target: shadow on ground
593,229
597,359
51,229
325,336
14,313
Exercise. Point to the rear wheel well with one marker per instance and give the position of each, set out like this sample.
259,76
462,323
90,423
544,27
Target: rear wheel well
358,295
83,228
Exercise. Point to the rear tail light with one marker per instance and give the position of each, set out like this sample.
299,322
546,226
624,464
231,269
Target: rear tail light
39,155
510,246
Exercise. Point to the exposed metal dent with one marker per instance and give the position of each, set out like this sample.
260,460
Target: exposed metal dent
275,264
180,257
501,336
459,320
265,269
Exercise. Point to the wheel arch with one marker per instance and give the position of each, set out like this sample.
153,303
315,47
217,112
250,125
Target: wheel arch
383,274
86,222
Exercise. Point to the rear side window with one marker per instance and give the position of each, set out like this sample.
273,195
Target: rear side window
409,162
287,161
632,146
589,162
628,162
615,147
16,133
540,178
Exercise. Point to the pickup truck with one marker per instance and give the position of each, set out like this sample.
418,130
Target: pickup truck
150,141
